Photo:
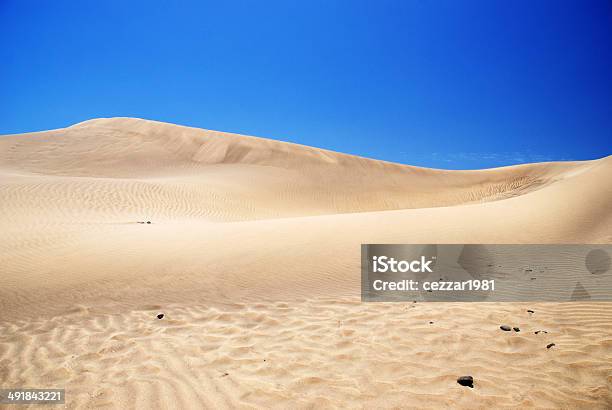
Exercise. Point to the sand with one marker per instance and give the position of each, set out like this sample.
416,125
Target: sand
252,255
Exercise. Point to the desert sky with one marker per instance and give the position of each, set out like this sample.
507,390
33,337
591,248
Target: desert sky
252,254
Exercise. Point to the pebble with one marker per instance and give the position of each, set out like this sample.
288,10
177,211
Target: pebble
530,311
160,316
505,328
540,331
467,381
548,346
516,329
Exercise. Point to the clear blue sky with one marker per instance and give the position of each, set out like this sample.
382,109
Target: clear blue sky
448,84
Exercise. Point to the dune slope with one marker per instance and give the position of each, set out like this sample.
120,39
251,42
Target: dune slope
253,255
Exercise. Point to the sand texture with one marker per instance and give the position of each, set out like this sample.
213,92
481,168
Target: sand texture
253,257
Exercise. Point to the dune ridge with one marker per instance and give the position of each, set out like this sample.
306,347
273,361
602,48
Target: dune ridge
260,178
253,255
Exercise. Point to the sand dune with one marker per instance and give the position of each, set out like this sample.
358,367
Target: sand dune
220,176
253,255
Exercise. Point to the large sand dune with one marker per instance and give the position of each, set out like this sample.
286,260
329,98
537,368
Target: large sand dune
253,256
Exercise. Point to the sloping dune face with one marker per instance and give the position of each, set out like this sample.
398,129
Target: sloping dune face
224,177
253,255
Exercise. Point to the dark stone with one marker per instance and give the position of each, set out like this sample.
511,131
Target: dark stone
505,328
149,222
540,331
530,311
431,323
516,329
548,346
467,381
160,316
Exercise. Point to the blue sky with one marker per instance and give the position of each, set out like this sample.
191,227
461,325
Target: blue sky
446,84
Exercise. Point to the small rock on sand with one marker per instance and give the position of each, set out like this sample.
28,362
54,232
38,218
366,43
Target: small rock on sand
505,328
467,381
516,329
548,346
530,311
160,316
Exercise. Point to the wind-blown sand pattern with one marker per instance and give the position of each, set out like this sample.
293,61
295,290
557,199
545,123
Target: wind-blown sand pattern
253,257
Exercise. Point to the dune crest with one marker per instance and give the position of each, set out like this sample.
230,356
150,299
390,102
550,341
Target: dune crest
237,177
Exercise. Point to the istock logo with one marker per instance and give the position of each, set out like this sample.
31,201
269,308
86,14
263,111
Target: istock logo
385,264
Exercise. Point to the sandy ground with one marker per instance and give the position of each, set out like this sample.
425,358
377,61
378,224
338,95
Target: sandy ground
253,257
